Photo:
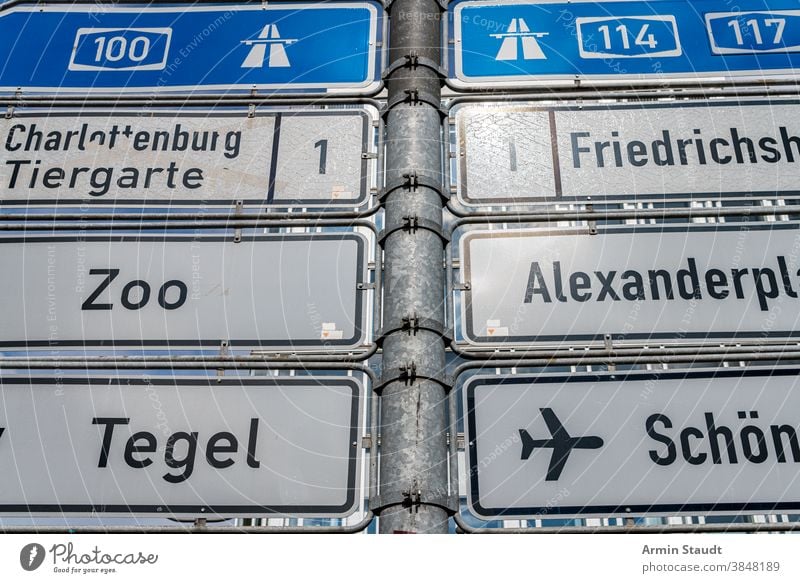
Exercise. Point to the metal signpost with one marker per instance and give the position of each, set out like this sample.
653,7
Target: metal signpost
212,447
528,154
414,493
644,284
519,43
282,292
188,157
93,48
698,442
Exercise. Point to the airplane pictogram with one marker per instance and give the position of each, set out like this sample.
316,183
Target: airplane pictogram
561,442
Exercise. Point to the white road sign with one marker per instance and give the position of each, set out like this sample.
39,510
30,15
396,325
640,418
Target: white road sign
643,284
287,291
190,157
530,154
180,446
700,442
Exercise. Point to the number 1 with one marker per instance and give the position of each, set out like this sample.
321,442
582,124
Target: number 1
323,155
512,154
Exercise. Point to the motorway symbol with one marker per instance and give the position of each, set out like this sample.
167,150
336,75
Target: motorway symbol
269,38
588,41
316,47
519,34
714,441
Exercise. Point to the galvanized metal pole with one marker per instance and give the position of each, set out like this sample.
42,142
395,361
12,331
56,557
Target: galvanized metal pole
413,468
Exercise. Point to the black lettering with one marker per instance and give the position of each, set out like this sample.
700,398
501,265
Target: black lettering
791,434
765,293
252,442
559,287
100,185
193,178
788,142
109,422
12,181
536,285
187,462
713,437
132,448
770,145
666,280
52,177
686,447
214,447
129,178
682,155
747,432
668,159
599,147
606,280
89,304
578,282
738,274
716,278
162,294
637,153
787,282
737,147
687,293
10,145
714,145
126,294
633,290
651,432
578,150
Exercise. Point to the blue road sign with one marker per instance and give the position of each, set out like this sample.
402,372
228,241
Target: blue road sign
524,43
286,47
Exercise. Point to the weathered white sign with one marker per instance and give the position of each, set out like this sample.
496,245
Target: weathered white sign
643,284
667,442
686,149
180,446
287,291
187,157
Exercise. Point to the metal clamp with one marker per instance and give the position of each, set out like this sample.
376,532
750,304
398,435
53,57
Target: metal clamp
413,324
412,499
412,224
414,97
592,224
237,232
408,375
413,61
411,181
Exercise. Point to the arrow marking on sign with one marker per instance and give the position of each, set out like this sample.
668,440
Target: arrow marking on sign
562,444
